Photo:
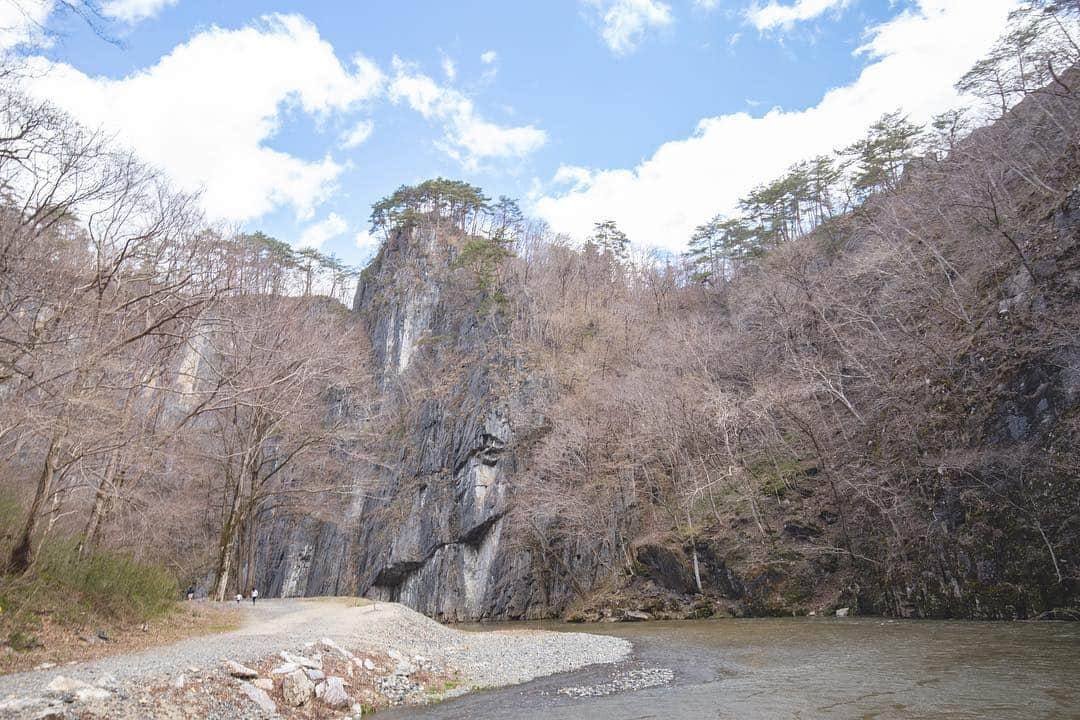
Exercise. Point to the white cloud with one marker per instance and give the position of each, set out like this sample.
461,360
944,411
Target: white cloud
316,235
706,4
23,23
365,240
359,134
625,22
777,15
467,137
916,57
449,68
205,111
489,57
132,11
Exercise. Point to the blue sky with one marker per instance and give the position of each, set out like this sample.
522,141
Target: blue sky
654,113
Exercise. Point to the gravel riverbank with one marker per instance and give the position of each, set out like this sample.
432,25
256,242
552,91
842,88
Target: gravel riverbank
383,653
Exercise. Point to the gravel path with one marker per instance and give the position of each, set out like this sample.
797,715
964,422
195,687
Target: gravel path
482,659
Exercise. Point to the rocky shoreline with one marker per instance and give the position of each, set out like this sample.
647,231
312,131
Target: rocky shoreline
329,661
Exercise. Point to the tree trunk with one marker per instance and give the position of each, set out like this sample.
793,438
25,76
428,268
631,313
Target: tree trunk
22,554
227,545
100,508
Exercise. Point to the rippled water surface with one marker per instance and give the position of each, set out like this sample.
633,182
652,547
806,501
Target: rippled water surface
812,668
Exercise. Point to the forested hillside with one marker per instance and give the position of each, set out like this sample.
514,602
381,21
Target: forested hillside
861,390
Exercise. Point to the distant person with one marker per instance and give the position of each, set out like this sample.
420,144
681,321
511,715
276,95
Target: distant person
254,595
239,597
191,592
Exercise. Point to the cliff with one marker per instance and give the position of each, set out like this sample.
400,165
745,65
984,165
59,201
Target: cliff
880,415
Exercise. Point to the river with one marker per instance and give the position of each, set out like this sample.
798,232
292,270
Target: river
809,668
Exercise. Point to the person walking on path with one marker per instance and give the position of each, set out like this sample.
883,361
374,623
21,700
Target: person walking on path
191,592
254,595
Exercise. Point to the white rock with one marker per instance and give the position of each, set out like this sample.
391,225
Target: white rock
109,682
368,665
315,675
179,682
301,660
842,612
90,694
45,666
240,671
357,711
259,697
297,688
285,669
335,648
334,693
61,685
19,704
264,684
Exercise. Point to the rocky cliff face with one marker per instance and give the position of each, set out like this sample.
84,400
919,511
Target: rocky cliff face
431,529
437,536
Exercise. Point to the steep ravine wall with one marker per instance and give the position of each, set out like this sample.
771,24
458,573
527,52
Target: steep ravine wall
435,537
431,530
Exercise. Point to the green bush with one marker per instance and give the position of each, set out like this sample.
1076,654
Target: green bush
102,587
106,582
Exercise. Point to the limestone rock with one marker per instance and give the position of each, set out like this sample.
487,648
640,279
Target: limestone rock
285,669
333,693
315,675
258,696
297,688
61,685
240,671
301,660
336,649
92,694
264,684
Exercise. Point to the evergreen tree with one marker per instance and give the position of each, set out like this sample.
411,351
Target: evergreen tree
611,240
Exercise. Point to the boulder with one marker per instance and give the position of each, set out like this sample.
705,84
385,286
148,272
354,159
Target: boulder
301,660
264,684
336,649
239,671
635,616
91,694
315,675
297,688
333,693
258,696
285,669
842,612
61,685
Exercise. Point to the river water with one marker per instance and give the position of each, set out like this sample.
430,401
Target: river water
810,668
